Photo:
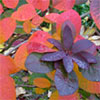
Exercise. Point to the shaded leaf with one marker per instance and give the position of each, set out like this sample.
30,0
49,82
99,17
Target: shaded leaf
1,9
39,4
88,57
67,32
24,12
66,85
53,56
34,64
20,56
78,2
80,61
93,72
37,47
7,27
95,11
81,45
10,3
68,64
42,82
7,88
63,4
7,65
56,43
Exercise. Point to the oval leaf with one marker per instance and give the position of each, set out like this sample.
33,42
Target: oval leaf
42,82
34,64
66,85
10,3
7,27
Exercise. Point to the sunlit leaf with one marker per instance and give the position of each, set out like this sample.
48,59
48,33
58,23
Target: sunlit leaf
34,64
37,47
39,4
7,88
63,4
39,91
7,27
20,56
10,3
66,85
95,11
42,82
24,12
1,9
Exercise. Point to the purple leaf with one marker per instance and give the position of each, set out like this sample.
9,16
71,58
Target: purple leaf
56,43
80,61
93,72
34,64
81,45
68,64
53,56
67,35
66,85
57,64
88,57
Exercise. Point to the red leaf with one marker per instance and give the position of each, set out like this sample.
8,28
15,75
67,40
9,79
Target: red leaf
7,88
40,37
95,11
7,65
52,17
37,20
39,4
37,47
10,3
24,12
71,15
63,4
1,9
7,27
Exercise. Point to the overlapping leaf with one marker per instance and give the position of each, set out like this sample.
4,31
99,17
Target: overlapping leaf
24,12
39,4
7,65
7,27
7,88
42,82
10,3
63,4
95,11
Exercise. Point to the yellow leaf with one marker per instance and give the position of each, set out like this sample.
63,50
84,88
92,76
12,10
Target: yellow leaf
54,96
42,83
39,91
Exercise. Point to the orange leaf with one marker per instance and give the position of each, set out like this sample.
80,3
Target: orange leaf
95,11
54,96
20,56
10,3
39,4
7,65
36,21
1,9
7,27
41,37
89,86
51,18
71,15
63,4
39,91
27,26
42,82
24,12
7,88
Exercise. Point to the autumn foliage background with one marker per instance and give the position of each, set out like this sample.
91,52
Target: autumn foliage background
25,27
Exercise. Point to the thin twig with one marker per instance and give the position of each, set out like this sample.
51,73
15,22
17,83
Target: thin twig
22,85
85,14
